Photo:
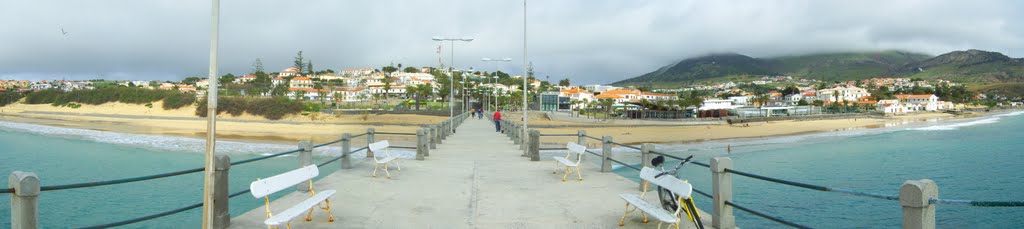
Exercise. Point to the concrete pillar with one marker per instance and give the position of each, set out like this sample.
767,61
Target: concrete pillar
346,151
606,153
534,151
918,213
371,136
305,158
581,137
431,135
24,200
446,131
421,144
721,185
221,215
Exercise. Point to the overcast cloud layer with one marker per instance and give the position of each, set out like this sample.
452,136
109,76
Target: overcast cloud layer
590,41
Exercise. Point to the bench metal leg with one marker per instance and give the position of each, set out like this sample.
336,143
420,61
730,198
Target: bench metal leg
622,221
398,165
567,172
330,216
578,173
386,170
558,166
375,166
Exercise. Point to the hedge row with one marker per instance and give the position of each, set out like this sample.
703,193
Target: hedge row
271,108
172,99
9,98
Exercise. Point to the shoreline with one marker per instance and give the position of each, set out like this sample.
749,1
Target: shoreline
136,119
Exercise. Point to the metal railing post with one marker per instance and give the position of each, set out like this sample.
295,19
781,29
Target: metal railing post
371,136
918,212
221,215
24,200
606,154
534,145
581,137
645,158
721,184
422,147
346,151
432,135
305,158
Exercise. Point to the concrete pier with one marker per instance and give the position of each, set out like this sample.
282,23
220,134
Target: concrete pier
476,179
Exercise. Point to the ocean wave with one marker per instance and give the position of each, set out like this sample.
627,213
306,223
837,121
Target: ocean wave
158,142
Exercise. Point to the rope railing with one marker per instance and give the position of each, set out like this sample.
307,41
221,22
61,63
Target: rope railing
264,157
148,217
402,147
118,181
339,157
766,216
394,133
624,145
624,164
559,135
556,148
592,152
328,143
977,203
592,137
360,135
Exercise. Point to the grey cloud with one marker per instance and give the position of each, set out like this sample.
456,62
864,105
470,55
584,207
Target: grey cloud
587,41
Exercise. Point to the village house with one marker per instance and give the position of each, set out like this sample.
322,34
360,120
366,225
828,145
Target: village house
891,106
838,94
301,82
245,79
924,102
278,81
350,94
290,72
357,72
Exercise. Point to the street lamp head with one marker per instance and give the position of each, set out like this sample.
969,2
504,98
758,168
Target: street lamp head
506,59
467,39
437,38
486,59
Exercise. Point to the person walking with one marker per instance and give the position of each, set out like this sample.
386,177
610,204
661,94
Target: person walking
479,113
497,120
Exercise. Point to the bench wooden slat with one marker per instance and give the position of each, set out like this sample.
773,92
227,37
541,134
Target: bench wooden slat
299,209
653,210
283,181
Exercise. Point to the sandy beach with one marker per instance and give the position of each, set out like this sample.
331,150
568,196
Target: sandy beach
139,119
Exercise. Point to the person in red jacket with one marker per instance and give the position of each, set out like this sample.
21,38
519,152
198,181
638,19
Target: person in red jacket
497,120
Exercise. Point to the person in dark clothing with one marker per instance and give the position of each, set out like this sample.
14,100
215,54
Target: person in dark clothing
497,120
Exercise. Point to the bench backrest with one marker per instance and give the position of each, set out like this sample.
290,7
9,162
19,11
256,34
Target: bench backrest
667,181
378,147
578,149
270,185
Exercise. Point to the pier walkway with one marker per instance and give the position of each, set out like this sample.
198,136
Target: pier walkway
476,179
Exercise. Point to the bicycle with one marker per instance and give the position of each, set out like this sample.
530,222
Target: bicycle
668,199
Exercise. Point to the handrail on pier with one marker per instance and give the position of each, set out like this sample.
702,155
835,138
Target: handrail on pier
305,151
911,189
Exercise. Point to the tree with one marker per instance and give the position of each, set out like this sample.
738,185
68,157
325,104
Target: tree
262,84
389,69
320,92
257,66
190,80
225,79
410,70
564,82
802,103
790,90
299,62
387,87
309,68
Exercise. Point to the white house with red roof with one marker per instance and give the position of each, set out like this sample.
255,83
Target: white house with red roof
351,94
290,72
301,82
922,102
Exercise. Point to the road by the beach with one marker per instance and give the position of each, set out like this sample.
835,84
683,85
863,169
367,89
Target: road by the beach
475,179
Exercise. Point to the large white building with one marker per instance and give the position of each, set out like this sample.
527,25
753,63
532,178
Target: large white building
837,94
716,104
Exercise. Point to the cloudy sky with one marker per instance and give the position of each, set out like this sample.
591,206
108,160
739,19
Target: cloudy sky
588,41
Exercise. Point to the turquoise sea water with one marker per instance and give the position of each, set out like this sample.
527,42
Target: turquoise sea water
976,159
62,156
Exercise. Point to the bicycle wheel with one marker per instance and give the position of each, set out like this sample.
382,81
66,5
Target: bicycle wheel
668,199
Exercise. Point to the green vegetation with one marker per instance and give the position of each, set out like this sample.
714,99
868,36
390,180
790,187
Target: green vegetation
9,98
271,108
172,99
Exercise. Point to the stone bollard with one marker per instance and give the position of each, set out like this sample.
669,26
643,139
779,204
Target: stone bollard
346,151
918,213
24,200
721,185
581,137
645,158
447,130
534,145
221,215
371,135
432,132
305,158
422,147
606,154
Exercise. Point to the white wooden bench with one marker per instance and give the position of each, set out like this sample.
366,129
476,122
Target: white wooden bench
565,161
680,188
381,157
265,187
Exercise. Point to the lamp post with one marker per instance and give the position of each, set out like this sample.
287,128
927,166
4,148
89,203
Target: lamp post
525,70
506,59
451,75
211,128
494,87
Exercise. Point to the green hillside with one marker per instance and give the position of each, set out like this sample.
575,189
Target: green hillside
960,66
